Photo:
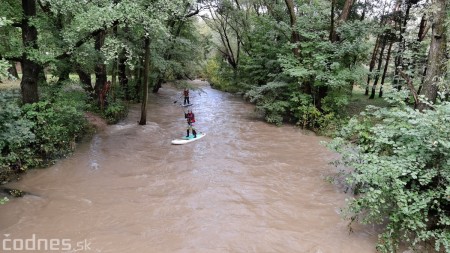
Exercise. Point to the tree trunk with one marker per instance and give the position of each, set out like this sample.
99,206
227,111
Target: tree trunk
30,69
100,67
295,37
113,79
64,67
139,79
85,79
436,67
401,47
158,84
332,28
323,90
122,72
386,65
342,18
380,63
422,80
372,63
423,30
143,120
363,15
346,10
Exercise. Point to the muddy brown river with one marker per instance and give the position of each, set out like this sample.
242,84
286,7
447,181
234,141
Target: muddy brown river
247,186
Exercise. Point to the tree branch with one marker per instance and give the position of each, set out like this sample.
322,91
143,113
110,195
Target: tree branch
19,59
427,28
81,42
192,13
45,8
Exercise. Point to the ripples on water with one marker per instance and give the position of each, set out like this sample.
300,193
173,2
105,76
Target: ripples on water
246,187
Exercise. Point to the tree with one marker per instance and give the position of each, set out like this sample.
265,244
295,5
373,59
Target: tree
31,69
295,37
437,62
395,162
143,120
224,20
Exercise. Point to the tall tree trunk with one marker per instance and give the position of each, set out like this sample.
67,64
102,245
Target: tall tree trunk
64,67
158,84
363,15
422,80
380,63
122,72
342,18
436,67
113,79
295,37
415,47
143,120
386,65
332,28
85,79
401,47
346,10
30,69
323,90
139,78
100,67
423,30
372,63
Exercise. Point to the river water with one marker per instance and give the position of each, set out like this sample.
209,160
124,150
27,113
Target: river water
247,186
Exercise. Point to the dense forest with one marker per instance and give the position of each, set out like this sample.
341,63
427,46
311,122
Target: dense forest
303,62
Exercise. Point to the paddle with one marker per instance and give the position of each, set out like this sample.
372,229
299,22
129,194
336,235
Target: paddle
177,99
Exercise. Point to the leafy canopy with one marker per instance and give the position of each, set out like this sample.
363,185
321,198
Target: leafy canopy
400,172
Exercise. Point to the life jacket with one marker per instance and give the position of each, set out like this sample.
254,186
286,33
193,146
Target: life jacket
186,93
190,117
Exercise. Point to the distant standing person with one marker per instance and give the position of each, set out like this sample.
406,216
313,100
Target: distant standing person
186,96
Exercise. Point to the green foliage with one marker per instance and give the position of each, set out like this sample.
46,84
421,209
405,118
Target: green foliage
305,112
16,136
59,123
270,100
3,200
4,65
219,76
267,60
280,101
399,169
115,111
261,65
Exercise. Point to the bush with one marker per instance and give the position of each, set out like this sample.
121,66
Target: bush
16,136
282,102
37,134
115,111
58,124
3,200
400,173
220,76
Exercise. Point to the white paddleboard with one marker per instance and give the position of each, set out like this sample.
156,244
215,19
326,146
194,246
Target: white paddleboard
186,105
184,140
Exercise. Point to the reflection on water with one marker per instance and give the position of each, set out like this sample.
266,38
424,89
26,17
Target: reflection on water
246,187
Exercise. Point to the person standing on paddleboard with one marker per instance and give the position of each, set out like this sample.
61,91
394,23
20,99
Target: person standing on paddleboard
190,120
186,96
